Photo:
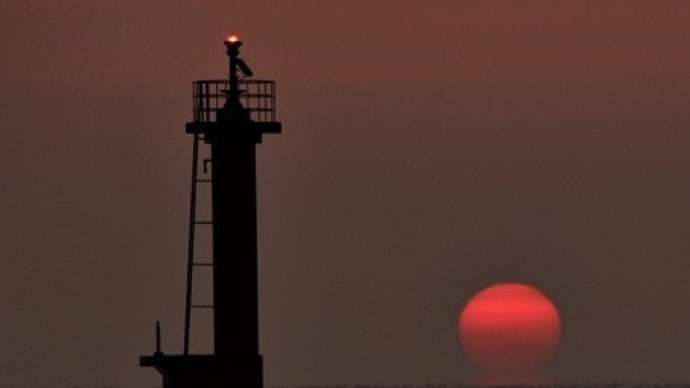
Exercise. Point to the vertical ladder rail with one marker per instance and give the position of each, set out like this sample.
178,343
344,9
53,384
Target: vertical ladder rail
190,243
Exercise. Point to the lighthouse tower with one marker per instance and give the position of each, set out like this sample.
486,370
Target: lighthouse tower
230,116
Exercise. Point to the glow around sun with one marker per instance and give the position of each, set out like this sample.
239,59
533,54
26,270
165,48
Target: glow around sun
509,329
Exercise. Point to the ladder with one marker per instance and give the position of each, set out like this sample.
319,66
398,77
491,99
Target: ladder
192,263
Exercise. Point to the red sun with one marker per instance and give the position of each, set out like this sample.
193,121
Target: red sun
510,329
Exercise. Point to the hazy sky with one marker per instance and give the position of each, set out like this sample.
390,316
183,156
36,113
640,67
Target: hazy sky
430,148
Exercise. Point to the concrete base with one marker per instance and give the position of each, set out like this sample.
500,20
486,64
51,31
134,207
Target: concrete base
207,371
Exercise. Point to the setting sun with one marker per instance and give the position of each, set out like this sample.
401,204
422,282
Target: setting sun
509,329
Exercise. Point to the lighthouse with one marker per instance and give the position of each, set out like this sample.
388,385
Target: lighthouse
230,116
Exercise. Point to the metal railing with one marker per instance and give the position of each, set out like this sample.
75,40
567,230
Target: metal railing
257,96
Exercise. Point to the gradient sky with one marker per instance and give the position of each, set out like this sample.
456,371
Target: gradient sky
429,149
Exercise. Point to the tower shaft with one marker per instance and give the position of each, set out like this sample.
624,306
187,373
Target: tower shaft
235,271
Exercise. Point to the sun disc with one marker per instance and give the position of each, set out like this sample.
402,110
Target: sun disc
509,328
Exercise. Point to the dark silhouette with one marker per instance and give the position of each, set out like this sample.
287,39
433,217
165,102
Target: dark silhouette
230,116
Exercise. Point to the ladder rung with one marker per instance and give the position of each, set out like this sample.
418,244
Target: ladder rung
202,264
203,222
202,306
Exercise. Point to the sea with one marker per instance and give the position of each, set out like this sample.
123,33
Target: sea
432,385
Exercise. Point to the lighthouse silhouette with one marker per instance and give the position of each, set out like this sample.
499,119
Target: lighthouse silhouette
230,117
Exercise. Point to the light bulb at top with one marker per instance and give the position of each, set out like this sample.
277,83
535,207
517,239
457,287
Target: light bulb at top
232,38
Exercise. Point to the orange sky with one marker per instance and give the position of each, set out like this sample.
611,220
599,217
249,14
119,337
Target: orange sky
429,148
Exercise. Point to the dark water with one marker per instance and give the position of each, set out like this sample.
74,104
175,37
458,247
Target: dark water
433,385
499,385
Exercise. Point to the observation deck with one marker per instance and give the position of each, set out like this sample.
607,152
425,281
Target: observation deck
258,97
